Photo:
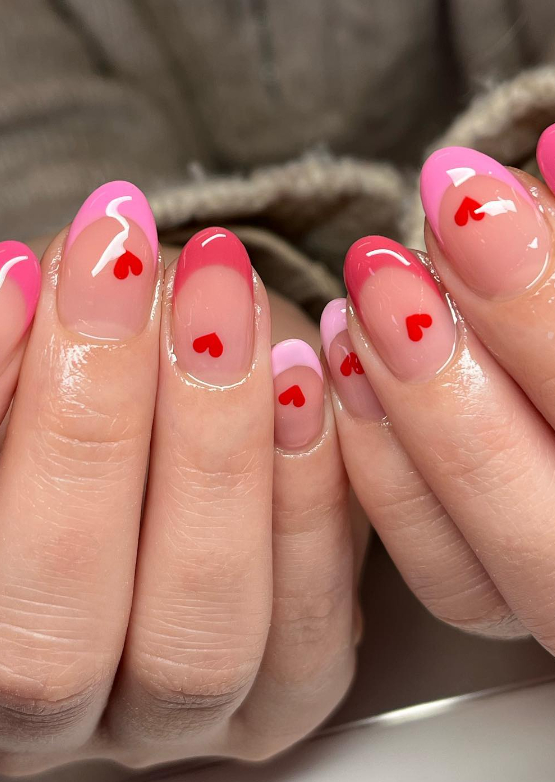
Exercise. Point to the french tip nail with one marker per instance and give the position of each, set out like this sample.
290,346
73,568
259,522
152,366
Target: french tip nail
298,394
213,308
20,280
109,262
545,155
294,352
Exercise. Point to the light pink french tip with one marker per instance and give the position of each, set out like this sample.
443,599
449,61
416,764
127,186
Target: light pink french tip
19,293
487,223
405,314
545,154
298,394
347,373
213,308
109,262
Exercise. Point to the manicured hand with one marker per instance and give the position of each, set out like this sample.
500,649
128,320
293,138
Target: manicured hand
459,481
212,615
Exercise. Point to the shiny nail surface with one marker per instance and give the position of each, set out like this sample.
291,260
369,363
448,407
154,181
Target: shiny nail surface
487,223
348,376
407,317
108,265
213,308
298,394
19,294
545,154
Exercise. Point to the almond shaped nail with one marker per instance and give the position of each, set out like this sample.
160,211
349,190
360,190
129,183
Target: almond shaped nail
347,373
545,154
108,266
213,308
405,314
487,223
298,394
19,293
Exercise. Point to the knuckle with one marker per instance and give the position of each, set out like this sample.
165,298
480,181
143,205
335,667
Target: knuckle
314,633
480,452
208,693
496,623
44,702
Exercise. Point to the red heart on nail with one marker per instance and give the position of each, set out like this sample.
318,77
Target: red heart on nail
210,342
468,209
415,324
292,394
128,262
351,363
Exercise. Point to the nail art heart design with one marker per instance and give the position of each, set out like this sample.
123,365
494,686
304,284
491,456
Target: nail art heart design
210,342
468,209
415,324
128,262
351,363
292,394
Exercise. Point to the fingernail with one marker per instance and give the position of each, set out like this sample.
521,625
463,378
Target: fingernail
348,376
108,265
545,154
405,314
213,308
486,222
19,294
298,394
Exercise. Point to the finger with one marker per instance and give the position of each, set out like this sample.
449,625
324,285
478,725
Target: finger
309,659
72,474
431,553
478,443
19,294
493,247
202,602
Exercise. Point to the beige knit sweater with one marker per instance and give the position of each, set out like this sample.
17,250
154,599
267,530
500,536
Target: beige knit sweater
302,121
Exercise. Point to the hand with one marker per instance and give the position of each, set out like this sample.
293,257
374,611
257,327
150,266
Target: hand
459,482
232,634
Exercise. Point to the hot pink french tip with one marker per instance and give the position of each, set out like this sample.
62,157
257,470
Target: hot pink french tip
545,154
486,221
19,294
213,308
298,394
407,317
109,262
347,373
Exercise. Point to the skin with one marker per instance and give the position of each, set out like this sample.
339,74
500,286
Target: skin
229,626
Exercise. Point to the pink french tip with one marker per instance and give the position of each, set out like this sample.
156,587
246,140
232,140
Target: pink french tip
116,199
367,256
19,293
455,166
332,323
545,154
213,246
294,353
19,264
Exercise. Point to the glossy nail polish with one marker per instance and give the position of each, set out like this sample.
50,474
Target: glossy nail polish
408,319
486,222
19,294
348,376
213,308
298,394
108,266
545,154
